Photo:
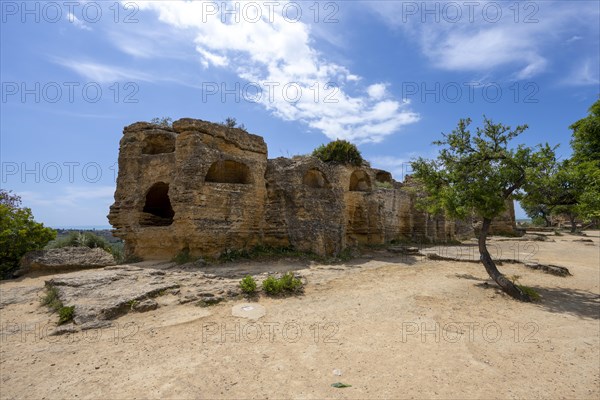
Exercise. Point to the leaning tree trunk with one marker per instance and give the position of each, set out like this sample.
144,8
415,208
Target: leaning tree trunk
573,223
491,268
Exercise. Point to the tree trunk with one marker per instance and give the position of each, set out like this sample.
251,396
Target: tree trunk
548,222
491,268
573,225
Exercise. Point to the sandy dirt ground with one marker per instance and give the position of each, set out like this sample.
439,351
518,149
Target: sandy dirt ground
389,326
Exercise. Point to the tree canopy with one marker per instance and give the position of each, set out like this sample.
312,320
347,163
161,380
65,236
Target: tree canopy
570,187
475,174
19,233
339,151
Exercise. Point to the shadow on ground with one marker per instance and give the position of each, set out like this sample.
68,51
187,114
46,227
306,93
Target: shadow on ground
574,302
569,301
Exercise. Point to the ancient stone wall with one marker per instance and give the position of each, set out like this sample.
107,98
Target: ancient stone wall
206,188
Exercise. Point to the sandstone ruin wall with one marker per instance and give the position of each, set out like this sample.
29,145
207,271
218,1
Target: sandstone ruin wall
206,188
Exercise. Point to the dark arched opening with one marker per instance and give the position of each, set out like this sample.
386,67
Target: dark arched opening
315,179
383,177
228,171
360,182
158,143
157,208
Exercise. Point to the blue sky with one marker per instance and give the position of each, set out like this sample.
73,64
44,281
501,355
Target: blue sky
389,76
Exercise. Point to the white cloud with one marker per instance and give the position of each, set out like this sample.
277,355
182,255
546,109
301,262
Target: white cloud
102,73
583,75
377,91
274,51
77,22
476,41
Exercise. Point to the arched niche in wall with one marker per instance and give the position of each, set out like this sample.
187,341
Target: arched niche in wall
383,177
157,209
315,179
228,171
360,182
158,143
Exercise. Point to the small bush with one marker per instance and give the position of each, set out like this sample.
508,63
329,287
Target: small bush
65,314
271,286
234,255
535,296
116,249
231,122
286,284
184,257
339,151
289,283
163,122
51,299
248,284
262,252
81,239
132,304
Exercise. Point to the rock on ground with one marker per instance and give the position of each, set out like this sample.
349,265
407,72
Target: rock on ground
65,258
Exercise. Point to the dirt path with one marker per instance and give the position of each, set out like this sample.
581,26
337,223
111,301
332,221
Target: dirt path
394,328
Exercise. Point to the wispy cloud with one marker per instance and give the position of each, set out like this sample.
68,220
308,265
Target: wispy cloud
72,196
273,52
103,73
584,74
77,22
487,35
71,205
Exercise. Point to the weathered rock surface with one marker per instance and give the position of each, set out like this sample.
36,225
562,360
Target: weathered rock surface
66,258
103,295
205,188
17,295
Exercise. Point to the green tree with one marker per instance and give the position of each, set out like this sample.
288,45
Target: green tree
586,136
339,151
541,198
477,174
584,166
19,233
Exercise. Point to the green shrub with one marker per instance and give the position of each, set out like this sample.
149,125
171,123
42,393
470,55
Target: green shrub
248,284
535,296
65,314
339,151
234,255
184,257
271,285
286,284
81,239
261,252
289,283
51,299
19,233
116,249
